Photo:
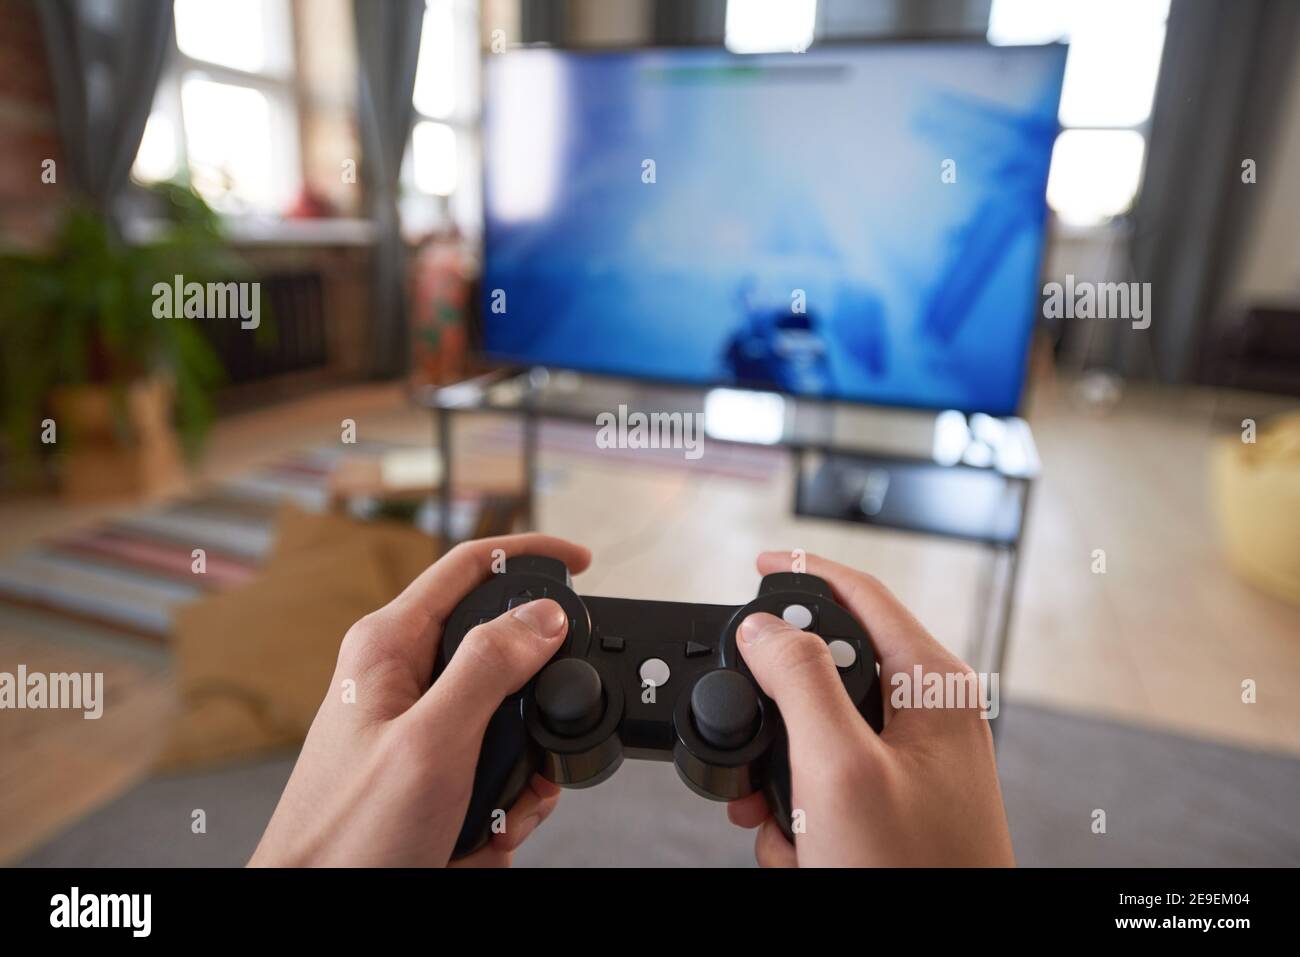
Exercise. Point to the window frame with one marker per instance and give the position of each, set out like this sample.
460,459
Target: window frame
277,82
435,210
1142,128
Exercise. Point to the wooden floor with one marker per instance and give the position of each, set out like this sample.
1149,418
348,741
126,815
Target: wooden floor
1163,638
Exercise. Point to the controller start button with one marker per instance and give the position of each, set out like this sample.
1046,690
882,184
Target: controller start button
655,672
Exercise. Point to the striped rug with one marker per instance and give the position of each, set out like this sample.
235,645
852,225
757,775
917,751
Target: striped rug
125,576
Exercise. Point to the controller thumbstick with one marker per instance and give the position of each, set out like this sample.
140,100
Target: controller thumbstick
569,697
725,707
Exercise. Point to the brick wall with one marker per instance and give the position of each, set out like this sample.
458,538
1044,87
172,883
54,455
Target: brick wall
28,130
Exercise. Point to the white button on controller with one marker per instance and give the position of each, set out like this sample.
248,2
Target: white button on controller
797,615
843,654
655,672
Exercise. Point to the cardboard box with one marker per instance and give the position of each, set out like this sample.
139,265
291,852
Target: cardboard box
253,663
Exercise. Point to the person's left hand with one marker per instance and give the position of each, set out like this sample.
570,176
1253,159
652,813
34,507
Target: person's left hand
386,779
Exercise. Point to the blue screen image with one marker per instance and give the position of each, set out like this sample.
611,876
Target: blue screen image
862,223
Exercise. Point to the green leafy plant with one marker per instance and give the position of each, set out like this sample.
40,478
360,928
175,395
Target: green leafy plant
81,313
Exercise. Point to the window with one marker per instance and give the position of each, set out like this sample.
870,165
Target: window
770,26
1110,82
225,111
441,166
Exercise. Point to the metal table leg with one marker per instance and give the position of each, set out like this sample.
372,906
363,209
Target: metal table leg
531,425
444,485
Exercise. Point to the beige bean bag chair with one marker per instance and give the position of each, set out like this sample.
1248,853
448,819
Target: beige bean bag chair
1256,489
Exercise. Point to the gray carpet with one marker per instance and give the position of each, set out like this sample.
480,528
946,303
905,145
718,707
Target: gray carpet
1169,801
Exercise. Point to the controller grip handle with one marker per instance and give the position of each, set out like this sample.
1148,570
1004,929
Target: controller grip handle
777,784
506,762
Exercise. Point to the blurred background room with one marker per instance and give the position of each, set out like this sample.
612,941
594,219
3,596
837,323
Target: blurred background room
198,494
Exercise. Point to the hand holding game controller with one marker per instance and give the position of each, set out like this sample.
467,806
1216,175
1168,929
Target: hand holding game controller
394,768
774,705
384,776
924,792
652,680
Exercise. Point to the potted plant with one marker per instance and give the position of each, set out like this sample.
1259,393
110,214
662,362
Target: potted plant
88,375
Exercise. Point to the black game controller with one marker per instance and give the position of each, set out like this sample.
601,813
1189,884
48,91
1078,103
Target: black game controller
657,680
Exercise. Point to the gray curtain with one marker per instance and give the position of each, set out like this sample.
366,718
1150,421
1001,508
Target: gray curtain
388,49
1219,99
544,21
702,22
870,19
105,57
689,21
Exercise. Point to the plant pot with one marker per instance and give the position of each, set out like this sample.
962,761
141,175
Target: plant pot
112,450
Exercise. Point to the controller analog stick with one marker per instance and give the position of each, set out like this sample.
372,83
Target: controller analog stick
725,707
569,697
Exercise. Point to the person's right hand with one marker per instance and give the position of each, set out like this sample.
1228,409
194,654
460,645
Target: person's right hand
922,793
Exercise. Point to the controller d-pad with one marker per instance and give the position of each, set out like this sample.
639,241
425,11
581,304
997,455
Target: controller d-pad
524,597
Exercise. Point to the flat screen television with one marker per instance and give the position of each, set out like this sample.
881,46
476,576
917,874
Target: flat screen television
860,223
